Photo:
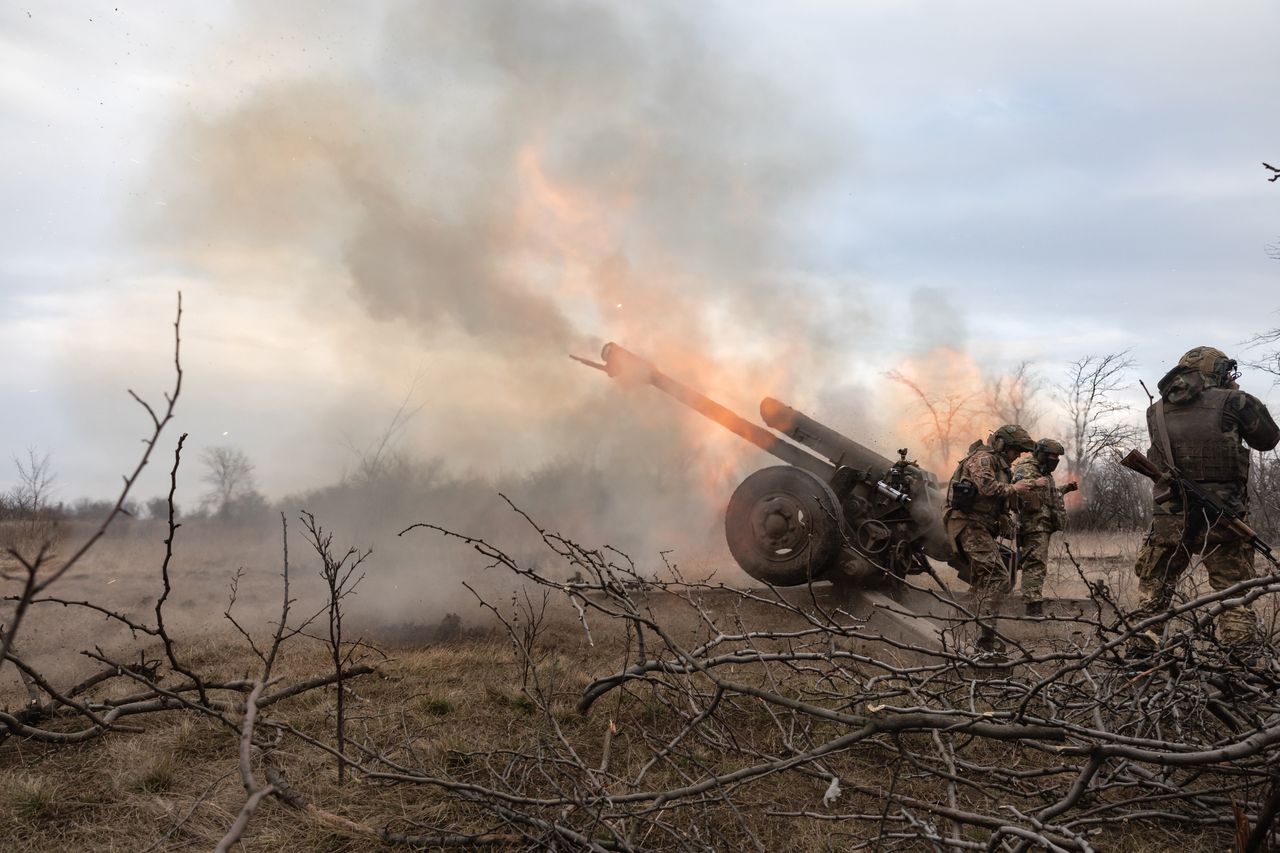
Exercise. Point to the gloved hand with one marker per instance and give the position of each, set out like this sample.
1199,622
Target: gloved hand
1023,486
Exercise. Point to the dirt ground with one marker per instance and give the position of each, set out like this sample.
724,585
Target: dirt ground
453,684
405,594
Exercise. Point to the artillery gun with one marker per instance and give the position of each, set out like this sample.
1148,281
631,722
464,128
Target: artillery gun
836,511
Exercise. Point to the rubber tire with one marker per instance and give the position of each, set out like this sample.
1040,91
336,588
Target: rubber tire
821,514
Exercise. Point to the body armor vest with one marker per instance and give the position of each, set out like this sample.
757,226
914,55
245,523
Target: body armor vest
979,504
1201,450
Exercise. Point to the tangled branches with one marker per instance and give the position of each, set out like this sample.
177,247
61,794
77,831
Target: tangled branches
898,744
97,706
755,719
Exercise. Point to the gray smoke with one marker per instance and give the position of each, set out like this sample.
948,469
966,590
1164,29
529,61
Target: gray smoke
519,181
411,168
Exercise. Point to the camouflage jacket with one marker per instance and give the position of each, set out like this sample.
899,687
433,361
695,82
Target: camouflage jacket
992,478
1040,509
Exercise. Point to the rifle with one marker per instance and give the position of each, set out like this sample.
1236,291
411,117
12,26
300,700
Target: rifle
1166,483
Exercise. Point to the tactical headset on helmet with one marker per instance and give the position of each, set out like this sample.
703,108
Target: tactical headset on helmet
1211,362
1012,436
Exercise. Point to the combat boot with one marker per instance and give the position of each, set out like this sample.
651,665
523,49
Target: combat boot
990,647
1141,647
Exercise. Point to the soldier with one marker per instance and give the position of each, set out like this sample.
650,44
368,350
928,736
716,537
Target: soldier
1041,513
1202,424
977,511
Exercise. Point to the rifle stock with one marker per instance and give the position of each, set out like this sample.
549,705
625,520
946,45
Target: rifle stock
1136,461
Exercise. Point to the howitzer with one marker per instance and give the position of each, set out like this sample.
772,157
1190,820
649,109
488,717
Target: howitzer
836,510
1168,483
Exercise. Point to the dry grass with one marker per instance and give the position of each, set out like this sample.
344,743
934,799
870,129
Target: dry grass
175,787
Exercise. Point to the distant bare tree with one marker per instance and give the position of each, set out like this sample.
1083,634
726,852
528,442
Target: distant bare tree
380,457
1114,499
1097,423
1273,250
158,508
946,412
1264,483
89,509
1268,360
1010,397
35,483
1100,428
1264,493
229,474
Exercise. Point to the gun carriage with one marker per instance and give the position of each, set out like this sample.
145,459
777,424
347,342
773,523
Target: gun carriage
835,511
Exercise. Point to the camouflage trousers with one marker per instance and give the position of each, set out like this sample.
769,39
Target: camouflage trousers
1033,563
1167,551
988,575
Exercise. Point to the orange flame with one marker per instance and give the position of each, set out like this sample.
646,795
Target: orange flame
575,236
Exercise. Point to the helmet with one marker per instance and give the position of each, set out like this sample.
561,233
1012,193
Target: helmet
1049,446
1012,436
1211,362
1047,453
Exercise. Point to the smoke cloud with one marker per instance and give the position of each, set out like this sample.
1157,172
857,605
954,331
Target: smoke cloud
496,185
514,173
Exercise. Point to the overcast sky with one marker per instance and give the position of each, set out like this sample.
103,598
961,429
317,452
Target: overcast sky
1016,180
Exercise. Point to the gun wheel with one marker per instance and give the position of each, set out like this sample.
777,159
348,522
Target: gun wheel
783,527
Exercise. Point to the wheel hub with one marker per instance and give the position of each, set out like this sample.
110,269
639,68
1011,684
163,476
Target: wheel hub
783,526
779,524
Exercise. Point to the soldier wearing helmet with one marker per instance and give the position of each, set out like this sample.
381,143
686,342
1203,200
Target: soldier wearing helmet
979,498
1204,426
1041,513
1212,363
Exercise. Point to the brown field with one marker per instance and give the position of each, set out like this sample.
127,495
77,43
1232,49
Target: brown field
450,702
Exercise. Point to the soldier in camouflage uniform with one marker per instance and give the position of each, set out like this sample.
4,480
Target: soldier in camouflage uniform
1041,513
977,511
1204,422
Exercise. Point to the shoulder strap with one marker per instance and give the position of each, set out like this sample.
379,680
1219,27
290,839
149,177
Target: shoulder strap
1162,435
960,465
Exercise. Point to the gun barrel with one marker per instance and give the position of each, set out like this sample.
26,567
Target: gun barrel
620,362
840,449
